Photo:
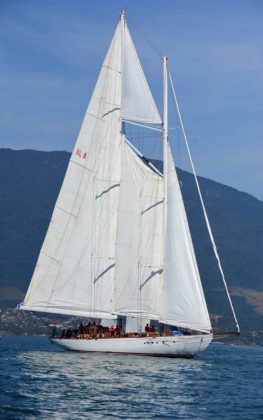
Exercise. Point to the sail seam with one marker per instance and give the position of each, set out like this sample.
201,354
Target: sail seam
110,68
84,167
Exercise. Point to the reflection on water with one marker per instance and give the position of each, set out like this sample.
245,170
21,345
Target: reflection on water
41,380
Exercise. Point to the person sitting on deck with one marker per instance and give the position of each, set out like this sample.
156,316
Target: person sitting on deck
68,333
100,329
117,331
94,329
147,328
63,333
87,328
81,329
111,330
54,331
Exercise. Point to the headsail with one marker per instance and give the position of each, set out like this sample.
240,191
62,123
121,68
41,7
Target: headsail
183,301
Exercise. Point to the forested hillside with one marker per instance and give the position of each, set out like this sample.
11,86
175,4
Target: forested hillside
29,184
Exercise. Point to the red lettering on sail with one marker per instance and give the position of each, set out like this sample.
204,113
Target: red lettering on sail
81,154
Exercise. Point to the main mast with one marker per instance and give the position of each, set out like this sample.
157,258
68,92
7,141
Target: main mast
165,135
122,21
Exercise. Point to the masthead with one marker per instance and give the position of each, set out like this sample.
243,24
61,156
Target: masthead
122,14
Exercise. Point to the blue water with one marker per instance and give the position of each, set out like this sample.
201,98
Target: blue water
39,380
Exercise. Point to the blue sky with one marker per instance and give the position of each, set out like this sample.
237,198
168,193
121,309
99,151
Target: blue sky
51,52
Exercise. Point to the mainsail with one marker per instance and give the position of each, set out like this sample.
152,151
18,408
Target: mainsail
75,270
103,253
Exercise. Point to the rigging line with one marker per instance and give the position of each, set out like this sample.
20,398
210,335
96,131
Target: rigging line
141,156
140,255
145,38
203,205
142,125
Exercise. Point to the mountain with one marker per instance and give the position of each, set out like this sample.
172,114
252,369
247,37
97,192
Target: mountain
29,185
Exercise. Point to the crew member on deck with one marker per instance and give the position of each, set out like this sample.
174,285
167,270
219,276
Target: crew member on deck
81,329
111,330
117,331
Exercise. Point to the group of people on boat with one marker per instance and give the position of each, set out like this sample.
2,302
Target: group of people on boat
91,330
96,330
149,328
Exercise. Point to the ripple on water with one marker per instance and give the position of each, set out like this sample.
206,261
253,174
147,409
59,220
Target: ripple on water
39,380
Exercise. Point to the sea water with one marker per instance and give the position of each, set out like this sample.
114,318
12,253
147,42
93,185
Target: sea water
39,380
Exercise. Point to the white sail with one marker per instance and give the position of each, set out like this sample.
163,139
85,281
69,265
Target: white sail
137,101
103,252
118,243
75,269
139,255
183,302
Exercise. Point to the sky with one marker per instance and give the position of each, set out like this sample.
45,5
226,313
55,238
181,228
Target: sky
51,52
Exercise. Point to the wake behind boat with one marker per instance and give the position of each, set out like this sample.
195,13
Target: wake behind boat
118,247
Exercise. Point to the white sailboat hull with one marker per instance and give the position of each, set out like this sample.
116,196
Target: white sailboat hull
178,346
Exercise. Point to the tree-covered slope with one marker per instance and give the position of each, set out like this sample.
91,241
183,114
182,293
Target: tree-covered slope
29,185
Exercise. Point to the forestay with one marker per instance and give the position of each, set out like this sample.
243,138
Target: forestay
183,302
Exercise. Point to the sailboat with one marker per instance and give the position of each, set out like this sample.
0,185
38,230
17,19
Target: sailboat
118,245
